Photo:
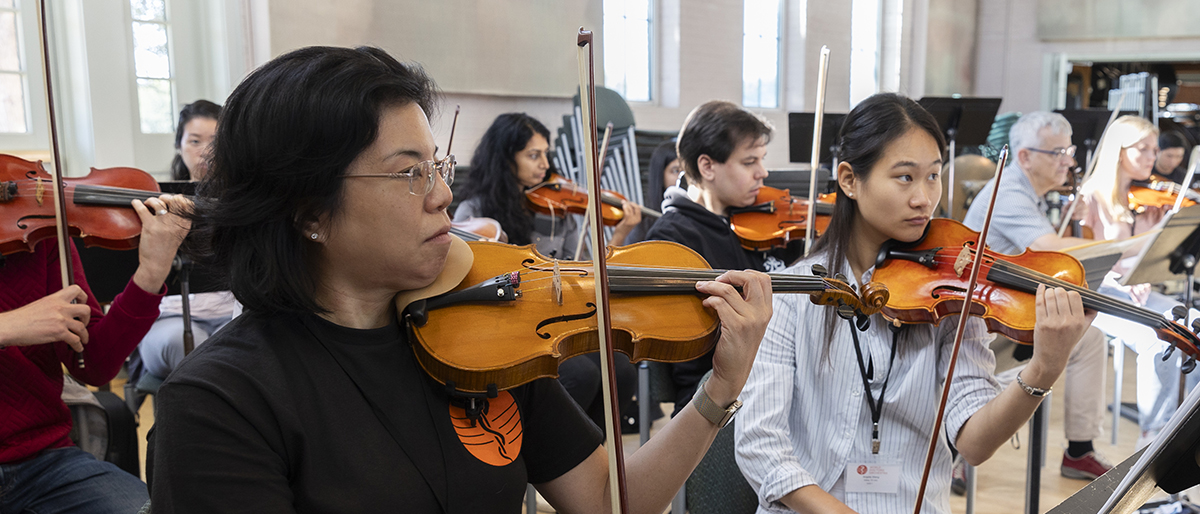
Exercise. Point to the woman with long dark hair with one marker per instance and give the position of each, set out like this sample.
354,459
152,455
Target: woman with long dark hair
512,156
828,405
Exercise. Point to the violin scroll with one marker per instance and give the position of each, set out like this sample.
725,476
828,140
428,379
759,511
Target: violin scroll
837,294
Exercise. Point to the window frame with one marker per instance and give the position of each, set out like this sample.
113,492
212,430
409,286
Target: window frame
653,17
780,59
172,72
35,142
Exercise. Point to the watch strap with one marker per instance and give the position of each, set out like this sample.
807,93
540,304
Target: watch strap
718,415
1035,392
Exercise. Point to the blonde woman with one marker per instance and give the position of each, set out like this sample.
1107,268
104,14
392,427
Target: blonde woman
1127,154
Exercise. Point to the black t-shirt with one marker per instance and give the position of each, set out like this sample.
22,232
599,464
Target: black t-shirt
270,415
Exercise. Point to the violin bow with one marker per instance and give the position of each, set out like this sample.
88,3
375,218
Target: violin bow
818,121
592,205
958,334
1066,218
612,429
66,266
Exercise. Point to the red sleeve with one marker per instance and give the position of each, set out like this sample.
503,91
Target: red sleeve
112,337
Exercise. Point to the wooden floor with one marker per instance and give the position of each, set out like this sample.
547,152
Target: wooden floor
1001,480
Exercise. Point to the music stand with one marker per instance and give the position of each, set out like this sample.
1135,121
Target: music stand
1168,463
965,121
800,134
795,180
1087,125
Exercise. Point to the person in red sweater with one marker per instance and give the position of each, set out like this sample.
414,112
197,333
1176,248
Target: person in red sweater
40,332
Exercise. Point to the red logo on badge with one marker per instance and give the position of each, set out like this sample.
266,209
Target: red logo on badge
862,470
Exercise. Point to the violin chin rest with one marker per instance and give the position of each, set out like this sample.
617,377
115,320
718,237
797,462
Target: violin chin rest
458,263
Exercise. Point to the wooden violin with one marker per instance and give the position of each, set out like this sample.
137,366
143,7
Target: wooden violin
98,206
1159,192
777,217
557,196
927,279
479,229
535,312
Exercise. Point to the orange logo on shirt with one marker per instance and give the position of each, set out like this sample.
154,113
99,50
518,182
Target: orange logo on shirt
495,438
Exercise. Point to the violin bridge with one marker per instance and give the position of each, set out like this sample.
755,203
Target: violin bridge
39,192
557,284
962,261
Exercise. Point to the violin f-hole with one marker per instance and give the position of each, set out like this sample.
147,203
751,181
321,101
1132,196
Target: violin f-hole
563,319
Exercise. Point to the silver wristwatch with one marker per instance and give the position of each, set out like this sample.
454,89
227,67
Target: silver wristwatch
718,415
1035,392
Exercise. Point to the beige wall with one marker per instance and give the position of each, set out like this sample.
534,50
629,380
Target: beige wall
517,55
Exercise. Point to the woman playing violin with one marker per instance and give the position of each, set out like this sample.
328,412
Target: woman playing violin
325,200
1127,154
514,155
818,388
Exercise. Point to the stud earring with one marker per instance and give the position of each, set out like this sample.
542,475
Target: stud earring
314,236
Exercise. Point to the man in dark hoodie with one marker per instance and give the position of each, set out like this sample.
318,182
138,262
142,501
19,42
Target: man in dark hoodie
721,147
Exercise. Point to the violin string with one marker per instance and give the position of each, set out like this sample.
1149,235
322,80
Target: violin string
1030,279
625,276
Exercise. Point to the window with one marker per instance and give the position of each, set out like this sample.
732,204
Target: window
152,65
864,50
627,25
760,54
14,118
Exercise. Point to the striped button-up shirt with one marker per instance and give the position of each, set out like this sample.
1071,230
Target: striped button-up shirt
805,417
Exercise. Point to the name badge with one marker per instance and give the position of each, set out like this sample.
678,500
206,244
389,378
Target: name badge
872,477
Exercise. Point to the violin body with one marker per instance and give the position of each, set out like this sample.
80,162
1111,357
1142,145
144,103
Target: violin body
553,319
1158,194
482,229
98,205
777,217
557,196
924,294
929,279
528,313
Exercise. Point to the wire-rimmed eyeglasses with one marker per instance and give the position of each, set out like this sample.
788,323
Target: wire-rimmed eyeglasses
419,175
1061,153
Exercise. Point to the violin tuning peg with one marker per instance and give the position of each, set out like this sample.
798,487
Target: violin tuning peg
1167,354
820,271
1188,365
845,311
1179,312
863,322
841,277
1196,326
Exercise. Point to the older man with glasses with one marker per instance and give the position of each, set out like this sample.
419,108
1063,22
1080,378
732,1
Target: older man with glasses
1043,156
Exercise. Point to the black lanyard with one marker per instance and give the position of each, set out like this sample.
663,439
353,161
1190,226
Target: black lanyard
875,405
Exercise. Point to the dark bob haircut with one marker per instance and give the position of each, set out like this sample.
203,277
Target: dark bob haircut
494,174
197,109
287,134
715,129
